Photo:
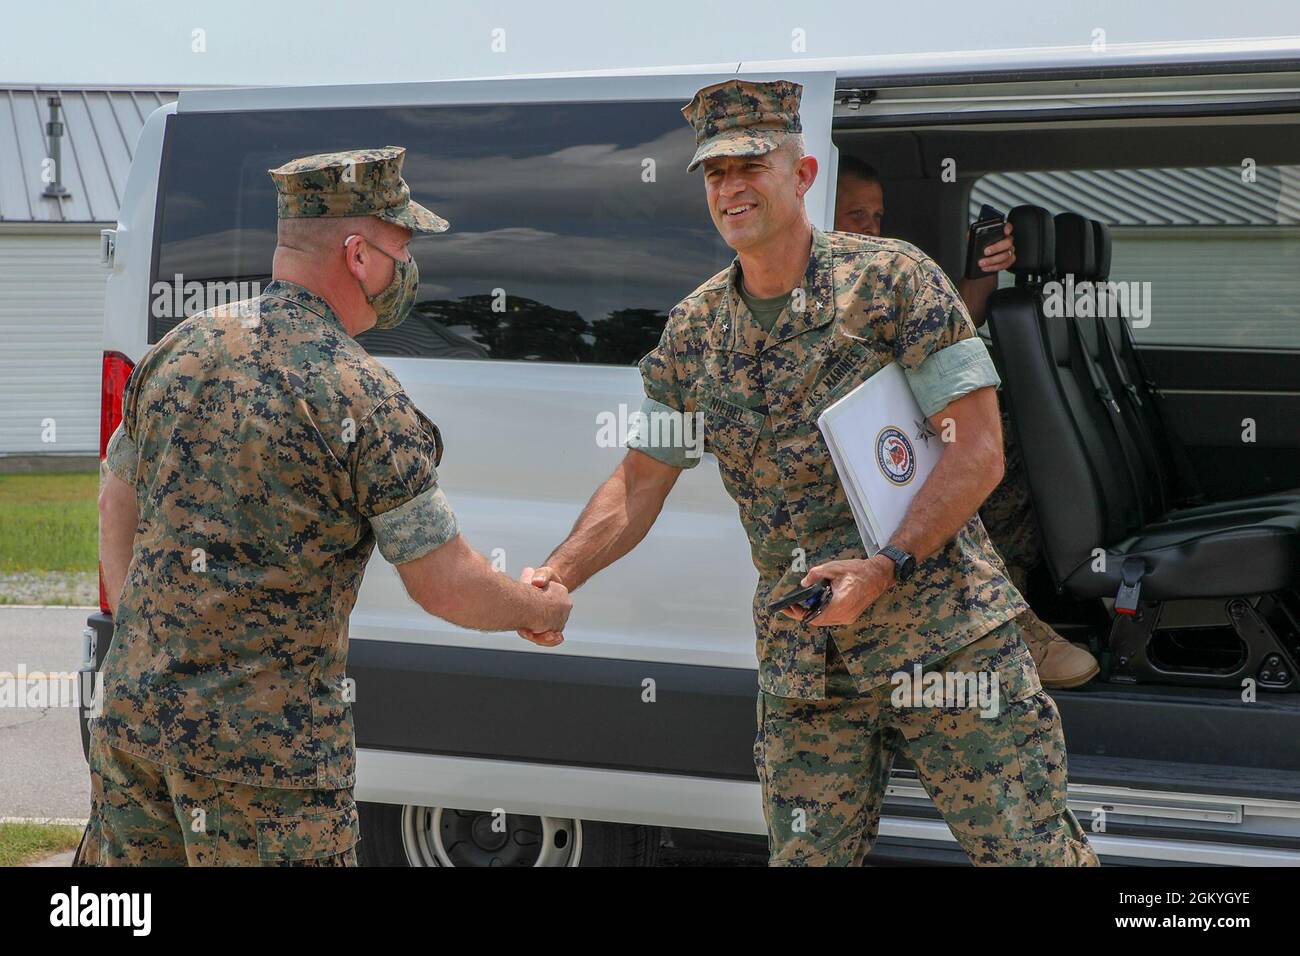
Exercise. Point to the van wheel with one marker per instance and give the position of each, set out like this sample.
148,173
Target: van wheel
393,835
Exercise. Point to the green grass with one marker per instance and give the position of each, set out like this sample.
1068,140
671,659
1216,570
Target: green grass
49,522
23,843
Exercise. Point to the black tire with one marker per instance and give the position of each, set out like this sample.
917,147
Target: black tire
619,844
603,844
381,835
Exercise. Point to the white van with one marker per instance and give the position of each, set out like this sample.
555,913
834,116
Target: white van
575,229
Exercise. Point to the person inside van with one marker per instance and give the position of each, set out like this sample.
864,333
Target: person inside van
1008,513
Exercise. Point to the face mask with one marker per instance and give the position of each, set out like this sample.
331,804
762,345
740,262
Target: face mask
393,303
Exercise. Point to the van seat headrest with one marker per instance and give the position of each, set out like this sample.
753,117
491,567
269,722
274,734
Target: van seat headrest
1035,238
1074,247
1101,249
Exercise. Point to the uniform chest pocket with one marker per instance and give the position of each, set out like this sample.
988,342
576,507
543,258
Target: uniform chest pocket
730,431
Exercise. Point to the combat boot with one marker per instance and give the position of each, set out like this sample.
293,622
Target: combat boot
1060,664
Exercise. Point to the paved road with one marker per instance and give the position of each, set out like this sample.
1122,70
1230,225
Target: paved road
42,771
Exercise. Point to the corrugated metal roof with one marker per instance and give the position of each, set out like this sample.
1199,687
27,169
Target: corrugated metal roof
1205,196
100,129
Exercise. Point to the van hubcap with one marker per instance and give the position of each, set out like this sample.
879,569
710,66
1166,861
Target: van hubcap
442,836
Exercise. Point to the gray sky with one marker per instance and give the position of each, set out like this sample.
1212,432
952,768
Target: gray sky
274,42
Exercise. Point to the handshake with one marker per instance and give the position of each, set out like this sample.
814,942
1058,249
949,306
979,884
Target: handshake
557,608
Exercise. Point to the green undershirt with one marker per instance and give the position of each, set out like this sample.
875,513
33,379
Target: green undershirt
765,311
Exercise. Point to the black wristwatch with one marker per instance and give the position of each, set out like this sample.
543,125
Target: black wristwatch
904,563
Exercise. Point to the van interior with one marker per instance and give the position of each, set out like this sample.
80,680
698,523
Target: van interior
1167,449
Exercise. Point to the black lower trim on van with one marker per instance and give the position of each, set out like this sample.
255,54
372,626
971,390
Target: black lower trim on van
586,711
591,712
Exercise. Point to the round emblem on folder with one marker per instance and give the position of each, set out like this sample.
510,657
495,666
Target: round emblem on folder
894,455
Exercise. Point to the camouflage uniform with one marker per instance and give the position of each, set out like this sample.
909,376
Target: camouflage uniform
862,303
269,454
1012,526
1008,514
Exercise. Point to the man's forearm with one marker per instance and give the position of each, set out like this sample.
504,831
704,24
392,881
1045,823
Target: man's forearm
616,519
975,293
456,583
969,469
487,600
118,517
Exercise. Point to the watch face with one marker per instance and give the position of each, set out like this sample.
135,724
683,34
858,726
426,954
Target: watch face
904,563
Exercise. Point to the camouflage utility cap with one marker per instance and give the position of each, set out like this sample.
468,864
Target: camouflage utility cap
740,118
354,182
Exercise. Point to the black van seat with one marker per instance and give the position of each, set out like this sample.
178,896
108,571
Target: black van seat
1211,557
1083,252
1105,531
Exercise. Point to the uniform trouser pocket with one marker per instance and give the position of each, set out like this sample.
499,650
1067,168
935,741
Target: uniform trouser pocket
312,839
245,825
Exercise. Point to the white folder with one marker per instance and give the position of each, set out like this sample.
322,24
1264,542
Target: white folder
883,449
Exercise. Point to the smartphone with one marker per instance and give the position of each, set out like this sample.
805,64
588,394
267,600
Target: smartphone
984,231
806,597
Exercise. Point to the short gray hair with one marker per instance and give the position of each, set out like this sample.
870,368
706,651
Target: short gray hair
793,144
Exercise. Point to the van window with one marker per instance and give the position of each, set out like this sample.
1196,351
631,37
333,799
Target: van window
574,227
1219,245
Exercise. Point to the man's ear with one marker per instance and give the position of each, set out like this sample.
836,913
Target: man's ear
353,251
806,172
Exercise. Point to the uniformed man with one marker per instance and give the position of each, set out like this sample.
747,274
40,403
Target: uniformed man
262,455
935,602
1008,512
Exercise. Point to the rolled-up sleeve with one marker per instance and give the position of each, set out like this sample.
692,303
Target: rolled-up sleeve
121,456
935,340
665,427
948,374
396,481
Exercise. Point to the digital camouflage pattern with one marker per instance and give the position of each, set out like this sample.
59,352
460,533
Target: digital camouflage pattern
1012,526
1008,513
149,814
863,302
269,454
998,780
355,182
740,118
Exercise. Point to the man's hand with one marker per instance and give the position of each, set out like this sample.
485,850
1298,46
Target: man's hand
1001,254
548,580
976,292
855,586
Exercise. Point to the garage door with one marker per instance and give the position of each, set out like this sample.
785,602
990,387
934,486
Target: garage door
51,330
1232,287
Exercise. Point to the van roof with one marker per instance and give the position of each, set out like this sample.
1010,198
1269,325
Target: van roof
1259,54
1279,51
